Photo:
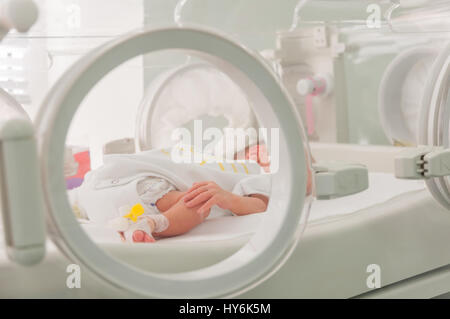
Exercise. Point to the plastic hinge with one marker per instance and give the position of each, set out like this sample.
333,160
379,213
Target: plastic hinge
422,163
337,179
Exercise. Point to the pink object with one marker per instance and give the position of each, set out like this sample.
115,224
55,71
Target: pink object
319,88
84,165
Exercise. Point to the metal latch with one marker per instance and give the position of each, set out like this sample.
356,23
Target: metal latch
422,163
338,178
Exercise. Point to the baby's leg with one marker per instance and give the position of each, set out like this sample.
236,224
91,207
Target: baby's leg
167,201
181,218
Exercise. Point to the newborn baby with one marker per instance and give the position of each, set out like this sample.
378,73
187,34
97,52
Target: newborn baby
148,195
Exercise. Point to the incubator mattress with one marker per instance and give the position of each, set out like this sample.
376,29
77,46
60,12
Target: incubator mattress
395,224
382,188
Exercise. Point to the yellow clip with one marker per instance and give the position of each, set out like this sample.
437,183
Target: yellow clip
136,211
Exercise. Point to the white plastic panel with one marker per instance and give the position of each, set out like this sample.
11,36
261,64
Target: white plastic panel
21,206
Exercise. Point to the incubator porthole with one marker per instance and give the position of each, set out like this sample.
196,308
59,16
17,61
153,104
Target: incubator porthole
435,118
402,85
218,274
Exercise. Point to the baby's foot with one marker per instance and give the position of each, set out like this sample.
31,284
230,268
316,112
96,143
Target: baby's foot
140,236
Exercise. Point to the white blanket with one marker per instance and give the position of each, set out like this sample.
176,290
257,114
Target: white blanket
383,187
113,185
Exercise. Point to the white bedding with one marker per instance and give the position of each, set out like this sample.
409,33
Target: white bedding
382,188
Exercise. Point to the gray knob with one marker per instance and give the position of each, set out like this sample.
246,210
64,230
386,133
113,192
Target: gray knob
19,14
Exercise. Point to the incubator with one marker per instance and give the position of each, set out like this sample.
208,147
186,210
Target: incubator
346,99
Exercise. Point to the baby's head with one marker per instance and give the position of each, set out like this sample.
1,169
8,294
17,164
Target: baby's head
258,153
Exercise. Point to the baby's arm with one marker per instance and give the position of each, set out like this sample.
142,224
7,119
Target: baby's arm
208,194
246,205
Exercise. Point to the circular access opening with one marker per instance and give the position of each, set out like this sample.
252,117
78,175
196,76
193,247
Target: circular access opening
435,118
278,234
184,94
400,94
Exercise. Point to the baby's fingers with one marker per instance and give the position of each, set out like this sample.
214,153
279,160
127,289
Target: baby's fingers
194,193
199,199
196,185
208,205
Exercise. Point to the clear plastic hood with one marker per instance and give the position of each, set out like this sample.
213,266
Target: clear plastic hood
234,64
88,106
375,74
310,100
358,36
359,44
419,16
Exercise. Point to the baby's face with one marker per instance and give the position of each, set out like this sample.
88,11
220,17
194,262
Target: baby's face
241,155
257,153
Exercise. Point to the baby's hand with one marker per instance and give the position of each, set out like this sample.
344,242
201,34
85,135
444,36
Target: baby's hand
208,194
